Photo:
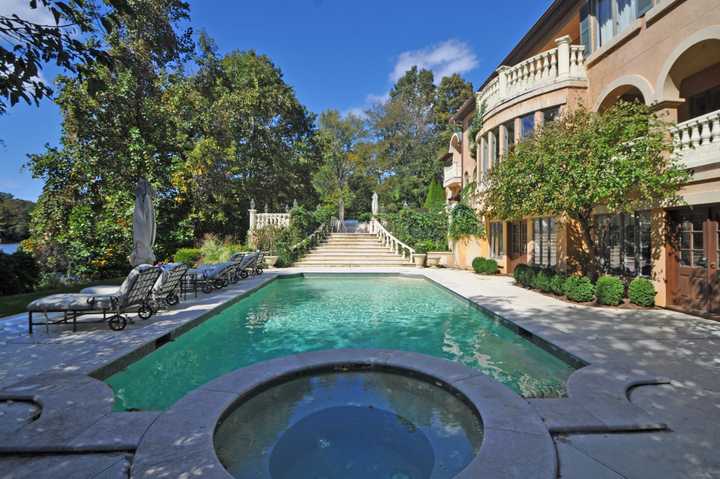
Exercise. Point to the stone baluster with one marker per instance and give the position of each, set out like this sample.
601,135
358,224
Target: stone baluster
503,81
716,128
685,141
706,134
695,135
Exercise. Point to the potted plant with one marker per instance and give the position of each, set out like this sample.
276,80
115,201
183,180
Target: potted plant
439,255
271,259
420,254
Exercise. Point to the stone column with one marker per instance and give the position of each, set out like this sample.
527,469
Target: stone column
563,46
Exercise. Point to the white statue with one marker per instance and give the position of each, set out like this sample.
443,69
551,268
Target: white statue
375,204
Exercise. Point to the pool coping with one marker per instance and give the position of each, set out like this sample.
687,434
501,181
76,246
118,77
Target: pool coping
516,443
597,400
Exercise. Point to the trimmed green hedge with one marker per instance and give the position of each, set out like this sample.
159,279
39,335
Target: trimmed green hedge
485,265
642,292
609,290
579,289
557,284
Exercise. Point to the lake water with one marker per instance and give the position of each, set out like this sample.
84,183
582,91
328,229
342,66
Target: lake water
9,248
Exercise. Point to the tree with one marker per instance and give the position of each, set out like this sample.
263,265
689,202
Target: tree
339,139
14,218
435,199
619,159
411,127
69,40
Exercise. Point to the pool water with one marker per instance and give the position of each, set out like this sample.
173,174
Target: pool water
353,425
298,314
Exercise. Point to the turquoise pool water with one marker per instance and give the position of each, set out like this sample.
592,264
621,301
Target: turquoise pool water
294,315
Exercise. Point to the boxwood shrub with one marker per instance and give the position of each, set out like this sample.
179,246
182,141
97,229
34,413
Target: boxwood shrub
579,289
520,274
542,280
557,283
485,266
642,292
609,290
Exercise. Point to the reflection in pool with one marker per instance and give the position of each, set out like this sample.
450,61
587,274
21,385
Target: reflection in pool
296,315
350,425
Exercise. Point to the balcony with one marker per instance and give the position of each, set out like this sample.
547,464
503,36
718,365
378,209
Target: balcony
452,176
563,63
698,140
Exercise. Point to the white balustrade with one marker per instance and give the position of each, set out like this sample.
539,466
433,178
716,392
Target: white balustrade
451,173
564,62
697,141
272,219
390,241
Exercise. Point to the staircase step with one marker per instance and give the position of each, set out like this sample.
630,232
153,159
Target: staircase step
352,250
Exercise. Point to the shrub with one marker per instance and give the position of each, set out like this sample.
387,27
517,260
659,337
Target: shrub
485,266
464,222
213,250
20,273
324,213
435,199
557,284
364,217
520,274
579,289
413,226
188,256
302,222
542,280
642,292
265,238
609,290
423,247
530,277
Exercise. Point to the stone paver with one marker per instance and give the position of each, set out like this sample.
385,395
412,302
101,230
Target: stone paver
641,343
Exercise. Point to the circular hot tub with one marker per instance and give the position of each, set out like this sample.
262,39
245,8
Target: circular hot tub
350,424
349,414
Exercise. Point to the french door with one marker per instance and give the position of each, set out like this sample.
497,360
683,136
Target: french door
697,247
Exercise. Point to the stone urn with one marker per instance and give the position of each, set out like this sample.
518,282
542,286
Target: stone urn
432,261
419,260
270,261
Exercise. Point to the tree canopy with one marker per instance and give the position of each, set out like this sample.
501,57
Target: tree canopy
619,159
14,218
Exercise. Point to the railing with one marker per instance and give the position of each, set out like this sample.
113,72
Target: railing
698,140
451,173
320,233
272,219
564,62
390,241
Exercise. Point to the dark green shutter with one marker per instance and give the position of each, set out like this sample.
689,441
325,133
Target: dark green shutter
585,28
643,6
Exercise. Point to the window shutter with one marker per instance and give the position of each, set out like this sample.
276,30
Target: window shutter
643,6
585,27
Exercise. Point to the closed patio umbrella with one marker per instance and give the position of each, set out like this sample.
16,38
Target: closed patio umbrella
143,225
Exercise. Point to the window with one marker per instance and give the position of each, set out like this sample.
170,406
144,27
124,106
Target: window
518,238
624,243
551,114
527,125
704,102
613,17
509,139
692,243
545,242
497,248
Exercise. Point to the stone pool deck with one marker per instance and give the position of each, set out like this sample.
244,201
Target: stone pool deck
595,430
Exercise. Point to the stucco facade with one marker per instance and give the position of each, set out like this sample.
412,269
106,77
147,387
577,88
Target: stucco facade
665,53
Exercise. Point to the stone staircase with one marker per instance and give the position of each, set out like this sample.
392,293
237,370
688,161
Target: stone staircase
352,250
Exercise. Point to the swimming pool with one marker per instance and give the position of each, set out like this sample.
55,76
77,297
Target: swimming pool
298,314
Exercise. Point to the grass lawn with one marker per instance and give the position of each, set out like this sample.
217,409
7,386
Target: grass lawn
16,303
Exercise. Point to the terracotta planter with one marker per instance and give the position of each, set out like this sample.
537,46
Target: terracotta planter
270,261
419,260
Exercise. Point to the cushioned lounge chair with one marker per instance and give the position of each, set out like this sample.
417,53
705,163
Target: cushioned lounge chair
134,292
248,265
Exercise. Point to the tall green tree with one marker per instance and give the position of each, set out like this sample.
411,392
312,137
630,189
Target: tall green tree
339,138
411,127
619,159
110,138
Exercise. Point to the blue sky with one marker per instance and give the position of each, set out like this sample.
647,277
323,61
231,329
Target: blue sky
336,54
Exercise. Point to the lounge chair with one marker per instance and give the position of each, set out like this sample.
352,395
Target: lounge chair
134,292
248,265
213,276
